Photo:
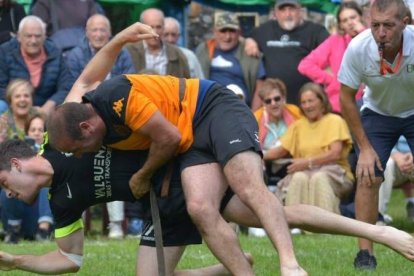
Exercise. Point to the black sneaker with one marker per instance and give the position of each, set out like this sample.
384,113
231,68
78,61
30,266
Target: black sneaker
365,261
410,211
12,235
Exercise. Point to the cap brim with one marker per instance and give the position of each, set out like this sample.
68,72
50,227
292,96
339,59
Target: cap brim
234,27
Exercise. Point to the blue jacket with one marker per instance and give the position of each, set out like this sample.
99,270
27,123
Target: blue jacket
55,80
79,57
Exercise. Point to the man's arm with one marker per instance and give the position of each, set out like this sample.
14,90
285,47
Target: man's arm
368,158
101,64
165,139
54,262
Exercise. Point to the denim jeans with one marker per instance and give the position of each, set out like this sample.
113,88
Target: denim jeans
15,212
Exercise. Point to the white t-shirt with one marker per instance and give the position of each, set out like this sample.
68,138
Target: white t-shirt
391,94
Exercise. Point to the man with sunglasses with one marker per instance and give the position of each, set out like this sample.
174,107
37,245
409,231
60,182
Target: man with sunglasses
383,59
223,60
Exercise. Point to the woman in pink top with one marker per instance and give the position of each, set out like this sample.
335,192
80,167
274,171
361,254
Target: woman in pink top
329,54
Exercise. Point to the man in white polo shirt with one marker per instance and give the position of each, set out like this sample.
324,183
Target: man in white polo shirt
383,59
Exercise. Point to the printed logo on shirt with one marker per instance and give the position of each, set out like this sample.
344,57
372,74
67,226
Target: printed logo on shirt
117,106
410,68
69,192
283,42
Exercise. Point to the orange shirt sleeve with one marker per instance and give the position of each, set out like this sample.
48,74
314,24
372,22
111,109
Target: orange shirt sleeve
139,110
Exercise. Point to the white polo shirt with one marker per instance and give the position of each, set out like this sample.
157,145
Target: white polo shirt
391,94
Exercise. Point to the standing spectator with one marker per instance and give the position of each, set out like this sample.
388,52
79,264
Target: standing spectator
223,59
284,42
399,173
319,174
98,33
69,13
171,35
65,20
164,58
330,52
11,15
34,58
382,58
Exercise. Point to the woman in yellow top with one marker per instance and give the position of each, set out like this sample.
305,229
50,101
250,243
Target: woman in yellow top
319,143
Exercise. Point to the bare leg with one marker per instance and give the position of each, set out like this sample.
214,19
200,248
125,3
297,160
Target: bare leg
315,219
204,186
245,176
147,260
213,270
366,208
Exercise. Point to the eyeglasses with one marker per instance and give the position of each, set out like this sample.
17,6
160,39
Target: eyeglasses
275,99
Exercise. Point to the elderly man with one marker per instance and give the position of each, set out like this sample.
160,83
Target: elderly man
171,35
223,59
153,54
30,56
98,33
284,42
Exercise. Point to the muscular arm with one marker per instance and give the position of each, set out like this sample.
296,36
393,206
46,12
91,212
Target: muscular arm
165,139
368,158
50,263
100,65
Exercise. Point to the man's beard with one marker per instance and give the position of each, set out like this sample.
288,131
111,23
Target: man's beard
288,25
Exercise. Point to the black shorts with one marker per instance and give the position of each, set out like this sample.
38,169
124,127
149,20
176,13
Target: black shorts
223,127
176,224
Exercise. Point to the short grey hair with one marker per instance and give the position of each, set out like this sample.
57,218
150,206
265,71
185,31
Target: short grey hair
30,19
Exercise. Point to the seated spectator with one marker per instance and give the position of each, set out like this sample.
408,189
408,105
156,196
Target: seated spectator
11,15
223,59
19,95
399,173
319,173
20,219
274,118
330,52
65,19
171,35
153,54
30,56
98,33
35,129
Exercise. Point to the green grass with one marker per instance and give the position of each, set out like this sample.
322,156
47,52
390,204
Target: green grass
318,254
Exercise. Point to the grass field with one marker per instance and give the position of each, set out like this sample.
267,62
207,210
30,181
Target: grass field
319,254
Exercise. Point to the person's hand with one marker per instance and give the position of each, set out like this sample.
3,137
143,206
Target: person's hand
3,127
298,164
365,169
137,32
251,48
6,261
404,162
139,184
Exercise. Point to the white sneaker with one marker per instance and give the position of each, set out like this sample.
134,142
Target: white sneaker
257,232
295,231
115,230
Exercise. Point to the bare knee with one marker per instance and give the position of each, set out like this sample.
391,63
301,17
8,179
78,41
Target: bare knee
202,213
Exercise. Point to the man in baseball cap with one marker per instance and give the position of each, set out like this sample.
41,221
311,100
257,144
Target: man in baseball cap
280,3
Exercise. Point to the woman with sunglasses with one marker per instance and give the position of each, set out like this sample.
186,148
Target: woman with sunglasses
274,118
319,143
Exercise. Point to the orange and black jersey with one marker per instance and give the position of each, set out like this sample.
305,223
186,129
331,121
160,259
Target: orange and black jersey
127,102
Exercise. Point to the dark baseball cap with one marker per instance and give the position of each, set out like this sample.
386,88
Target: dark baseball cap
280,3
